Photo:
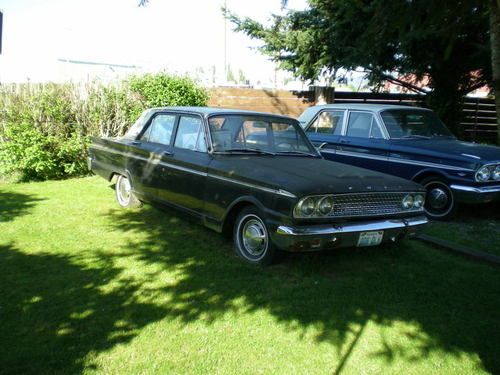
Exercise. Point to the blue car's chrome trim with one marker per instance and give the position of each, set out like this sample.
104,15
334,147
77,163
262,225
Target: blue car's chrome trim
471,156
325,230
396,160
477,190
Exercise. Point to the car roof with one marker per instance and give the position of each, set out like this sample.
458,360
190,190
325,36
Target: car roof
368,106
208,111
310,113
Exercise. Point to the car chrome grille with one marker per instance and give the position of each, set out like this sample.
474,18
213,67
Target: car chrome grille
369,204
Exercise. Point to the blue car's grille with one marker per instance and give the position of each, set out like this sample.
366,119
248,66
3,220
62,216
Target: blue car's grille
369,204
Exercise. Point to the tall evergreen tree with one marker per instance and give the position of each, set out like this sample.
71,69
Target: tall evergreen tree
446,43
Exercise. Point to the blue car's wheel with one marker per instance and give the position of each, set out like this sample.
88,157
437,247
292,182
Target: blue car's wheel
440,202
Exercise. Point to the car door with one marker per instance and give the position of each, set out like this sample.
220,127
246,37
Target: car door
363,142
406,154
147,151
184,170
325,130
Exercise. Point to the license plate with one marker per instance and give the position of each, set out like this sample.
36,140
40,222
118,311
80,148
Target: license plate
370,238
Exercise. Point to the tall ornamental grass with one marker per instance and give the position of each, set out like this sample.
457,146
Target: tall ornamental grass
45,129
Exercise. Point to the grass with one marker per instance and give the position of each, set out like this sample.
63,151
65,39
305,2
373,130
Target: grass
88,288
477,227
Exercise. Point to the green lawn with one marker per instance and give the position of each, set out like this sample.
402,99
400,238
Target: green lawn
86,287
477,227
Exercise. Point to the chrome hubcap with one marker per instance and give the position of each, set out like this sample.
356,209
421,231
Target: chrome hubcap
124,190
438,199
254,237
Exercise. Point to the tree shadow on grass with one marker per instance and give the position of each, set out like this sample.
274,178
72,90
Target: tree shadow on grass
487,211
452,303
55,312
15,204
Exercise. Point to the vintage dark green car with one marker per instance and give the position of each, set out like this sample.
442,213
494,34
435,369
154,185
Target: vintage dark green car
257,176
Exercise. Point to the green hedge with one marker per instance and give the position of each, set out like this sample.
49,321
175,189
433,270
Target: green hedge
45,128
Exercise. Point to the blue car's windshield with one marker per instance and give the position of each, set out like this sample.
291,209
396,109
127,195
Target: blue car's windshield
259,134
408,123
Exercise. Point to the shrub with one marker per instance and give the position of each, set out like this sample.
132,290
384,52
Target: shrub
165,90
45,129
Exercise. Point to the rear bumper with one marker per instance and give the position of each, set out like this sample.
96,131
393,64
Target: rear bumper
322,237
473,194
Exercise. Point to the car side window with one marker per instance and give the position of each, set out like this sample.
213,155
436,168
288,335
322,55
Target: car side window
190,134
160,130
375,131
363,125
328,122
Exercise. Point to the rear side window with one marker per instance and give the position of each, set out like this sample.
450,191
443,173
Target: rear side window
160,130
328,122
363,125
190,134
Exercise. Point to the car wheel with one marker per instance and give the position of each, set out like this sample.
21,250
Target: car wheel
251,238
440,202
124,195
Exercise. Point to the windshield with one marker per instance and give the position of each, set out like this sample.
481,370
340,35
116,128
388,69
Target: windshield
259,134
404,123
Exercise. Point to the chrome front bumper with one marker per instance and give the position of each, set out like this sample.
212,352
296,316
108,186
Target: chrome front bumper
321,237
473,194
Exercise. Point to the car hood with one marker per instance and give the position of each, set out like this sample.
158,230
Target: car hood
451,148
305,176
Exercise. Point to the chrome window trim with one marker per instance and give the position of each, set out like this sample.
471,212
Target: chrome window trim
382,125
189,114
149,122
375,117
342,126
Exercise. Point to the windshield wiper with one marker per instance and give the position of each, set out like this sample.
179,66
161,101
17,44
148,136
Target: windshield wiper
300,153
247,150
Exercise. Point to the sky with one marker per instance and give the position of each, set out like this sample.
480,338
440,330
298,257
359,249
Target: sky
177,36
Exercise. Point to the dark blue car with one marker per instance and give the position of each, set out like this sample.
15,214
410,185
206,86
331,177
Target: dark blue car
408,142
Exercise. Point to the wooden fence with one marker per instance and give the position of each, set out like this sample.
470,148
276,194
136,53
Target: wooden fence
478,120
290,103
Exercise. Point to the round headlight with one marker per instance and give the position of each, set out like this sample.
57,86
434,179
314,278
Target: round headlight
325,205
307,207
496,173
483,174
407,202
418,201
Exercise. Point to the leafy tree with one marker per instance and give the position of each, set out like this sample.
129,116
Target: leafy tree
445,42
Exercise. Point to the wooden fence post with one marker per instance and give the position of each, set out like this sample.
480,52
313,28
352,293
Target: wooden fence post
324,95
